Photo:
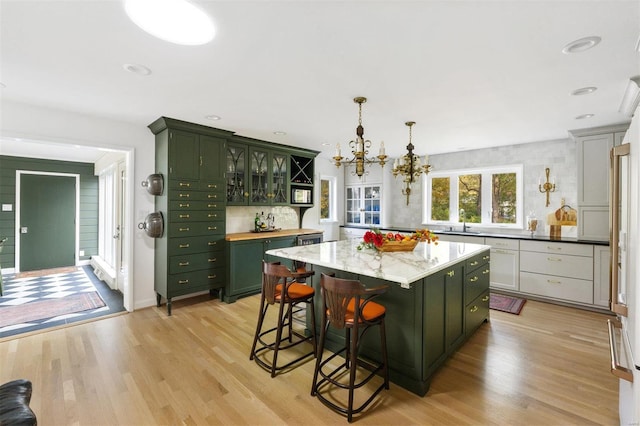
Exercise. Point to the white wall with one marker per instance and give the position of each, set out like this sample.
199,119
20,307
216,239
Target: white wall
45,124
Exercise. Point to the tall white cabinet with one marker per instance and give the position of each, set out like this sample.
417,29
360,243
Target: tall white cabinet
592,153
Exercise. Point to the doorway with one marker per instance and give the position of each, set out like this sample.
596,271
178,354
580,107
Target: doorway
47,220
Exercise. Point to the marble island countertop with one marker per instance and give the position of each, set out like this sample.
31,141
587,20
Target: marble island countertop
400,267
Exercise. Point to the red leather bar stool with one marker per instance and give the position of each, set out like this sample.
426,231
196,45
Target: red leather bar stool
348,306
280,286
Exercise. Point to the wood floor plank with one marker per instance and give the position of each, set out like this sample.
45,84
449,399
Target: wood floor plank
548,365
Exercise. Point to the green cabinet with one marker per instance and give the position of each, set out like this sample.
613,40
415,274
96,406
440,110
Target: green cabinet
476,291
190,256
245,264
236,174
268,177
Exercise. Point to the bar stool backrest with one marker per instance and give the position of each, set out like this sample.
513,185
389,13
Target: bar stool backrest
339,293
274,274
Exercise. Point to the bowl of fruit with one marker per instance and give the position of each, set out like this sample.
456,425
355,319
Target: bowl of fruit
391,241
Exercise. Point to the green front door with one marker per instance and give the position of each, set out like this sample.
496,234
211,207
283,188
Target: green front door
47,221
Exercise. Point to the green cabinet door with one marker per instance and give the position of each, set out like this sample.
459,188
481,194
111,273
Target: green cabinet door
454,290
184,155
434,323
279,188
236,175
212,158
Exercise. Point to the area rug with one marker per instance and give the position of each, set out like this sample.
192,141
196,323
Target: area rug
34,311
500,302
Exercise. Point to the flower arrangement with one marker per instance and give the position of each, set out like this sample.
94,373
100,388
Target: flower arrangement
377,240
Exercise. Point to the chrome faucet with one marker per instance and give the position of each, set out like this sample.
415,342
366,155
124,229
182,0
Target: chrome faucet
464,220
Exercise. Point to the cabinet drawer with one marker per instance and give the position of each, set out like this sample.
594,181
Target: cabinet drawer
212,186
503,243
189,195
476,262
196,228
182,205
183,184
189,282
557,248
195,215
476,312
188,245
569,289
476,282
557,264
195,262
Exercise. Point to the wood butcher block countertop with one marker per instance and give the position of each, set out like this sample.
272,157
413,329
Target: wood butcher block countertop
243,236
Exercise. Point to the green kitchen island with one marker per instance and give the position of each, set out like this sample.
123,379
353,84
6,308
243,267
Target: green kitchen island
438,296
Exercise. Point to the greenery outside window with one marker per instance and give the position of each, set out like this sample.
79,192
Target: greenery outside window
328,199
491,196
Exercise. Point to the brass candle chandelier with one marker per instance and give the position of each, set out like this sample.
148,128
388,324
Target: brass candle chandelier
409,165
360,147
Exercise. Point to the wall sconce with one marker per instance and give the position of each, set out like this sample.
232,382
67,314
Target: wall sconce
360,147
409,166
546,187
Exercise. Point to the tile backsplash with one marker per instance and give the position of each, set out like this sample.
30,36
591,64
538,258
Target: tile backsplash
558,155
241,218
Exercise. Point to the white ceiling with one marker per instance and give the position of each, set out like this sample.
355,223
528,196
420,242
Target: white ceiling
471,74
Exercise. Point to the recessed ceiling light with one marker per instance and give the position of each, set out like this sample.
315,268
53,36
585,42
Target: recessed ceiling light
581,45
137,69
212,117
175,21
584,91
326,144
583,116
279,132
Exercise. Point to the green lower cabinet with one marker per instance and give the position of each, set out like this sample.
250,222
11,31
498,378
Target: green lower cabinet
477,312
245,265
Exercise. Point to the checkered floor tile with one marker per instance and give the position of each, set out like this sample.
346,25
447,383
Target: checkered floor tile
17,291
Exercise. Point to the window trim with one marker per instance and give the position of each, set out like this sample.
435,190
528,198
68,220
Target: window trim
518,169
333,199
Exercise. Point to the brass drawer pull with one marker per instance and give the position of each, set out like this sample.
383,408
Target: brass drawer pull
184,245
212,277
451,273
212,215
183,264
554,282
188,185
185,205
486,257
554,248
183,281
485,272
184,216
484,299
212,243
554,259
473,309
212,195
183,229
473,280
212,206
474,263
212,185
212,228
215,259
184,195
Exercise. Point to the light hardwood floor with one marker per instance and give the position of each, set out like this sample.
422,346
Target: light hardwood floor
547,366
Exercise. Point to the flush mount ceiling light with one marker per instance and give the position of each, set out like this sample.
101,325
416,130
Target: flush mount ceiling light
279,133
137,69
581,45
583,116
212,117
584,91
175,21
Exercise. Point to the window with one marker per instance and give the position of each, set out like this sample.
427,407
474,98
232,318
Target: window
489,196
327,199
363,205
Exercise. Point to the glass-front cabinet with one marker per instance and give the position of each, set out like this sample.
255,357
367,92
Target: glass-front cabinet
363,205
268,177
236,175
